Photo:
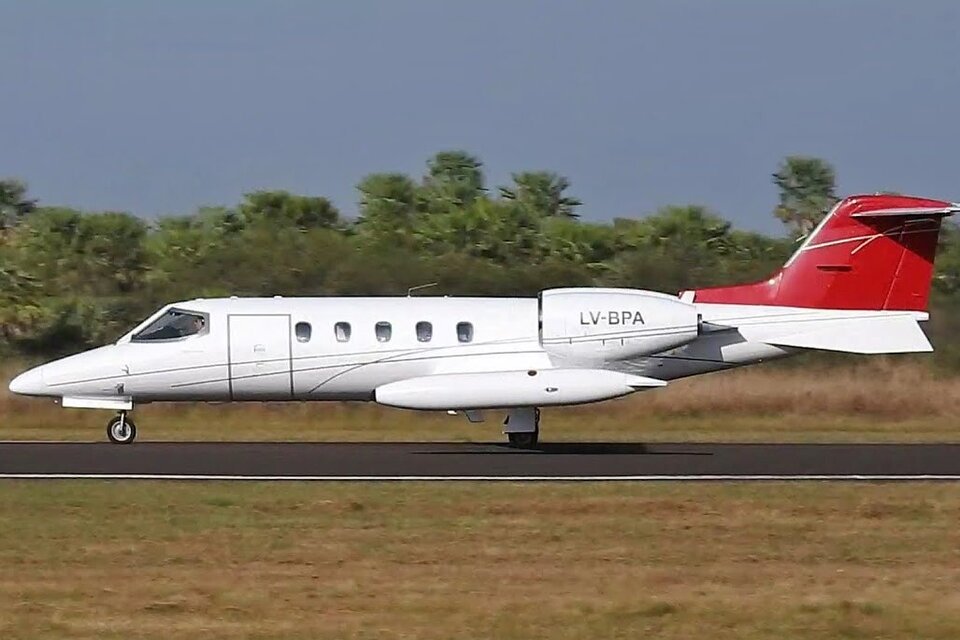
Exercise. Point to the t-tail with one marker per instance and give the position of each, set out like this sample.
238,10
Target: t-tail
870,252
858,283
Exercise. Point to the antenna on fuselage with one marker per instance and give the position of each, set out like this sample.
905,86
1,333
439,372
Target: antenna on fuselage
420,286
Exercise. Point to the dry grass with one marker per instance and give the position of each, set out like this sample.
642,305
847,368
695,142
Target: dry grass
149,560
880,400
885,388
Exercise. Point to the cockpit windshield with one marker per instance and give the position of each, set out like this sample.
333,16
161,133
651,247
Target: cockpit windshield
171,325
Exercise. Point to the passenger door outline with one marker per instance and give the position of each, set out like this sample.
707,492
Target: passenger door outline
259,356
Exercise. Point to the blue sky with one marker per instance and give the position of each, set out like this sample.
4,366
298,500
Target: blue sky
160,107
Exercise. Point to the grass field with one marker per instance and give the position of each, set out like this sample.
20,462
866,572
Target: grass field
880,400
434,561
172,560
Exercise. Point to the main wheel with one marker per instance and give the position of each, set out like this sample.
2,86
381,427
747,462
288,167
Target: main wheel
524,440
121,430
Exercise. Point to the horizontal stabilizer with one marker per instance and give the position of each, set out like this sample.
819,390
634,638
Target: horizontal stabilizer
882,334
909,212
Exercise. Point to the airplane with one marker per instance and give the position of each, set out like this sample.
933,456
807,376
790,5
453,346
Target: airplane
858,283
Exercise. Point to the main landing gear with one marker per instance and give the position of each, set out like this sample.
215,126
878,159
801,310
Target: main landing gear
522,427
121,429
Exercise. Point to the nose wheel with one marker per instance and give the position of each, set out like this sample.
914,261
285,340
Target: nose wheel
121,430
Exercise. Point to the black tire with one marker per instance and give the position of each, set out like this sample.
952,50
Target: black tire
121,436
525,440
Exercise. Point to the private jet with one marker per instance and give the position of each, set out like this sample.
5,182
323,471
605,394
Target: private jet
858,283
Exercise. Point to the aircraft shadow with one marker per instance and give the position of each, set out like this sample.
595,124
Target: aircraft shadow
420,448
573,448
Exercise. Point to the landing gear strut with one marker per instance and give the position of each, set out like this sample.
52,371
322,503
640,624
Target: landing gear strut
121,429
522,427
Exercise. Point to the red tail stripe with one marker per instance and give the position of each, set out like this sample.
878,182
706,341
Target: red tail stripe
869,252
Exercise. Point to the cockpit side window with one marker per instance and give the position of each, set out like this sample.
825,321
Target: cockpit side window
173,324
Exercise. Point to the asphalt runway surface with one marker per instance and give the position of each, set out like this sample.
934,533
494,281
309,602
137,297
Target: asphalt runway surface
476,461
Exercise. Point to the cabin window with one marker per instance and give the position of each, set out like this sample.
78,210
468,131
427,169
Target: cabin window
465,332
303,331
384,331
342,331
424,331
172,325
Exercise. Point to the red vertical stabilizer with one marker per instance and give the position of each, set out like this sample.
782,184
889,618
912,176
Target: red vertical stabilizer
869,252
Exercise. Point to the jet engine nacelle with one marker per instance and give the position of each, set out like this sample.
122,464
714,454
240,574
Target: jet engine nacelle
595,325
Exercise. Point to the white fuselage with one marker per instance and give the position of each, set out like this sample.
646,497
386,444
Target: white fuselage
347,348
252,352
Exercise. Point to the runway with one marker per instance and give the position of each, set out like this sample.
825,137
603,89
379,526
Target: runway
472,461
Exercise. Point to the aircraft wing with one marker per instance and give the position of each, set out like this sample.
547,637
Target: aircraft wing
504,389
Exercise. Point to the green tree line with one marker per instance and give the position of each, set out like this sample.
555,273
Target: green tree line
71,279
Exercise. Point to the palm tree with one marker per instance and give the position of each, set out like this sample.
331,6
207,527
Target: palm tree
542,193
13,202
807,187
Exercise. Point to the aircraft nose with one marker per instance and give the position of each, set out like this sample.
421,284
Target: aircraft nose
29,383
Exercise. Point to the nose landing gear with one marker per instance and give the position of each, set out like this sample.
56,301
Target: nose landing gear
121,429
